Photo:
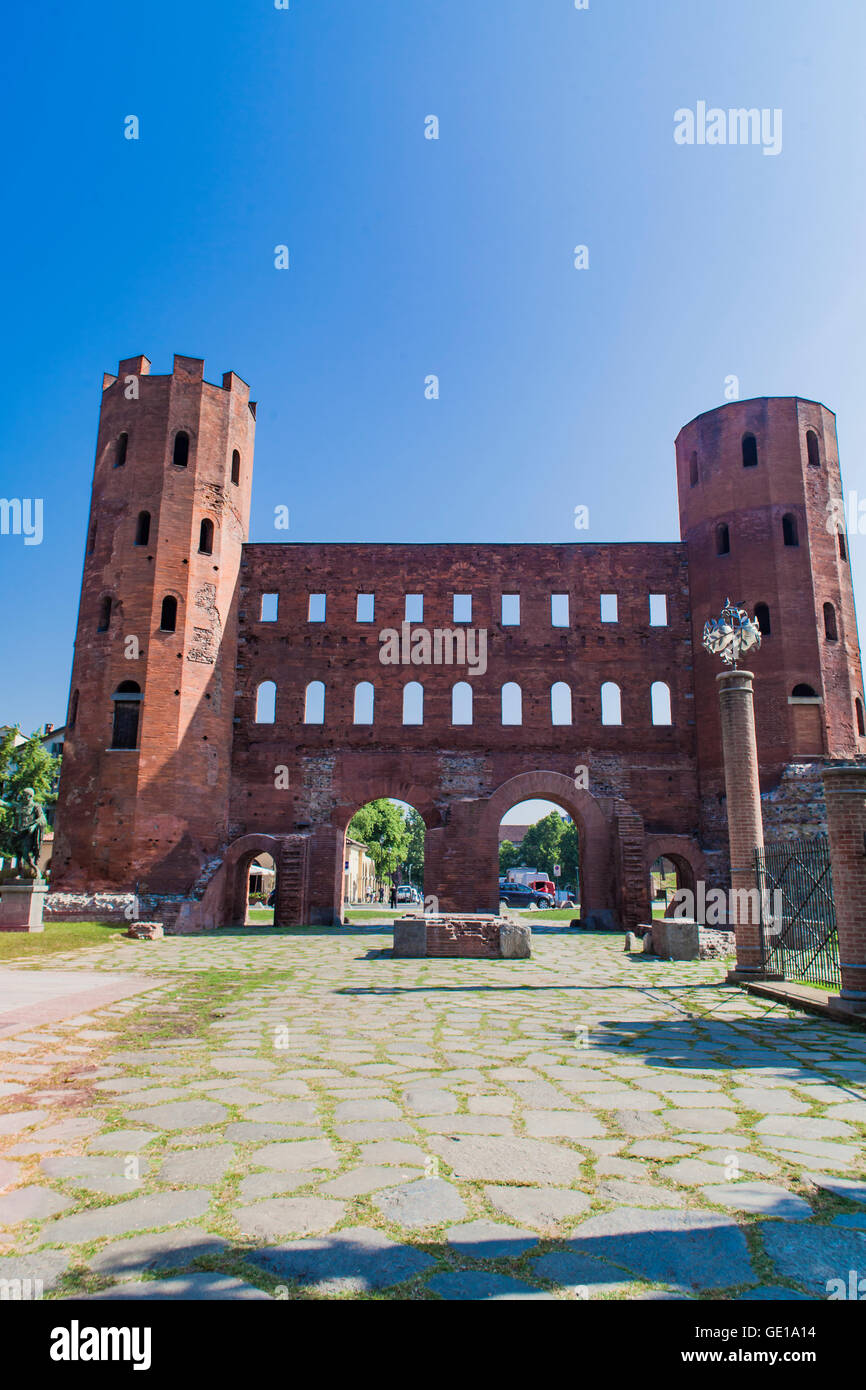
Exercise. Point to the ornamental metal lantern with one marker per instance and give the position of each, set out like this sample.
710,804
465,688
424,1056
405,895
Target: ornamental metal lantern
732,634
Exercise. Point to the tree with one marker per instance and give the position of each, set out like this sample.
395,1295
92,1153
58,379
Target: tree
510,856
380,826
553,840
414,861
28,765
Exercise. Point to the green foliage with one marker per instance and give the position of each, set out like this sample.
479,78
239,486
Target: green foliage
28,765
382,827
550,841
414,861
510,855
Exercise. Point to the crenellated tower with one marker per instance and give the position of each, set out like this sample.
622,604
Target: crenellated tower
143,799
760,496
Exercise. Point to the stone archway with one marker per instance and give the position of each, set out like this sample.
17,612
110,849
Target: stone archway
684,853
236,868
594,828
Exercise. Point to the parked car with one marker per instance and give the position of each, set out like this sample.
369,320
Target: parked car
521,895
407,894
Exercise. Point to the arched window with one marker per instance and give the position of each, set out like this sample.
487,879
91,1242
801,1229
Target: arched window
512,703
364,696
560,703
861,720
127,708
812,449
723,539
314,703
461,703
91,540
660,702
236,467
73,710
413,703
750,451
168,616
830,629
205,537
694,475
843,549
762,618
611,703
104,614
804,692
120,450
790,532
266,703
142,528
180,457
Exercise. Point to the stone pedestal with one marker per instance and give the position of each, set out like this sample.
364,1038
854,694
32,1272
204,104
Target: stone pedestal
468,936
845,794
22,903
745,823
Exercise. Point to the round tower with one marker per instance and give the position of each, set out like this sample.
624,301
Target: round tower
143,798
760,495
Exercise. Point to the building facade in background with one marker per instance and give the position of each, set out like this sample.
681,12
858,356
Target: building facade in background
231,698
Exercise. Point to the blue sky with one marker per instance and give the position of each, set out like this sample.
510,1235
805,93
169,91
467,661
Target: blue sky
411,257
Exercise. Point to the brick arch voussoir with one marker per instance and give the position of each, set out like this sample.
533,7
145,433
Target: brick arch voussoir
675,847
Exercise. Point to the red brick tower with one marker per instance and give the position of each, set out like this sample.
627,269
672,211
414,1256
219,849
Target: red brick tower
143,797
758,484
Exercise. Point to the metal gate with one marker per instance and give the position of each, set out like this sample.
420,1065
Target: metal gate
798,918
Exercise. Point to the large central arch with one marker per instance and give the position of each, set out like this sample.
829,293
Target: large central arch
593,828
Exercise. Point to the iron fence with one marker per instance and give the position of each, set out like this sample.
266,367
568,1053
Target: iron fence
798,917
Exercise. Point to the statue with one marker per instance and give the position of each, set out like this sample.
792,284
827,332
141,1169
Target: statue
731,634
23,838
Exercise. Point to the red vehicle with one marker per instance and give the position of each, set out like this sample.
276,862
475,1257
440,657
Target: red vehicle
544,885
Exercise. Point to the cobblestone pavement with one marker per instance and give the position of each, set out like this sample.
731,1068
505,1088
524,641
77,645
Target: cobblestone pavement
296,1114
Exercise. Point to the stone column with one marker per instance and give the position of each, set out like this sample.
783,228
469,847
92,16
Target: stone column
845,793
745,824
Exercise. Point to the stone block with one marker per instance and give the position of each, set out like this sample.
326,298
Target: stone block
515,941
410,936
676,938
22,905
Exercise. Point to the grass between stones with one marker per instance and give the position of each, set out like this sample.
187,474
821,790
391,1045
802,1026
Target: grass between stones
232,1008
58,936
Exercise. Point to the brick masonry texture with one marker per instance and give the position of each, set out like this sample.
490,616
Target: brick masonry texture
179,819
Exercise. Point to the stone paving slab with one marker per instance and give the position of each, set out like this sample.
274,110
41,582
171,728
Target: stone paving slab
185,1288
357,1260
425,1105
176,1249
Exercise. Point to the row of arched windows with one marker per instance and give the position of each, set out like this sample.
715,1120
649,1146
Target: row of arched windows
206,533
749,451
831,629
167,616
790,534
462,701
179,454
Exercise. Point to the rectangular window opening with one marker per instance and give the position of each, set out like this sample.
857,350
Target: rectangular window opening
316,609
609,608
365,608
511,610
462,608
270,608
559,610
414,608
658,606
